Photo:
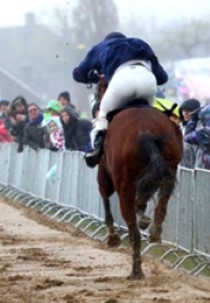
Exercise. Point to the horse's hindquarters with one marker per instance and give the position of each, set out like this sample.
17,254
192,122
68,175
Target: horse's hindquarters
138,168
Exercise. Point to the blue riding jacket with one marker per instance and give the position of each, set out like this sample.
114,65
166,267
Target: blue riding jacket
108,55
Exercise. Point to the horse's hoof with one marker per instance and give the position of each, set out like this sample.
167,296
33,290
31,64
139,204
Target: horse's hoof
137,275
114,240
153,239
144,222
155,232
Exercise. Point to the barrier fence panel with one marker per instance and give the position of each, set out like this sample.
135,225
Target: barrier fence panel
86,186
63,177
51,175
29,164
185,208
202,211
18,170
87,191
12,149
187,223
95,203
115,206
5,151
74,178
42,165
171,222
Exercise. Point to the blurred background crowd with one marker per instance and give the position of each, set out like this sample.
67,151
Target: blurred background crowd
42,107
57,126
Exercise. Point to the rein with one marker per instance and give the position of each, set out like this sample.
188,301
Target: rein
100,90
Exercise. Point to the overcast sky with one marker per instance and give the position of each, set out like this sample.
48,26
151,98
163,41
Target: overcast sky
12,11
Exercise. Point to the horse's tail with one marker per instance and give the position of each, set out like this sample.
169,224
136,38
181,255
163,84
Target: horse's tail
156,170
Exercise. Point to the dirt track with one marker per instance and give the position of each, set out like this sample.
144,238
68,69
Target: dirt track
41,262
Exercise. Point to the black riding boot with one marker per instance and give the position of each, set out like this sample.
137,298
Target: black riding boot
93,158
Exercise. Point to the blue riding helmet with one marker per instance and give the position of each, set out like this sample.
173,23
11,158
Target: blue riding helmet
114,35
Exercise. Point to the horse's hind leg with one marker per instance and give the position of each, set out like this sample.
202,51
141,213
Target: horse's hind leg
128,210
155,229
106,189
143,221
113,237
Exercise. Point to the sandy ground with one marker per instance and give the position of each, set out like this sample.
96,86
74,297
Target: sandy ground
42,261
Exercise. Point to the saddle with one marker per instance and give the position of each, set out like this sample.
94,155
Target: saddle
140,103
135,103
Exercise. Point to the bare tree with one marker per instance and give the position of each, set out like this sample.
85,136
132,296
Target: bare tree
183,40
93,20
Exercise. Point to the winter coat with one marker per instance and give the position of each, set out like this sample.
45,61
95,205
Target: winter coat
6,121
4,133
192,153
18,130
35,135
200,136
76,132
57,140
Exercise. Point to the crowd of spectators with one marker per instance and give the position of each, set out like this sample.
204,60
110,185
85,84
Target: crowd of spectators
57,126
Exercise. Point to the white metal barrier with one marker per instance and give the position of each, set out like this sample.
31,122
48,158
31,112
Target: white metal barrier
187,222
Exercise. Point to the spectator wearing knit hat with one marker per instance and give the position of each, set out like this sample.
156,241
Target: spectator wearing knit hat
53,109
198,132
18,113
64,99
76,130
192,155
34,134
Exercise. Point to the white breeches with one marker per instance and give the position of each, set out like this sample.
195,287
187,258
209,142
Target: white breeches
128,83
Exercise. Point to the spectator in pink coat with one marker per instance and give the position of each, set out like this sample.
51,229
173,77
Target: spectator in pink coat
4,133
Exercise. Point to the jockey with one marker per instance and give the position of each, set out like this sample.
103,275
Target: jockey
131,70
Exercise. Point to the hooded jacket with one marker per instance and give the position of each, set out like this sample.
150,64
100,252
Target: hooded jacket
18,130
108,55
34,134
76,131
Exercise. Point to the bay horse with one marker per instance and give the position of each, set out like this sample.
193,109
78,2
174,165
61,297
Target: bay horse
141,153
